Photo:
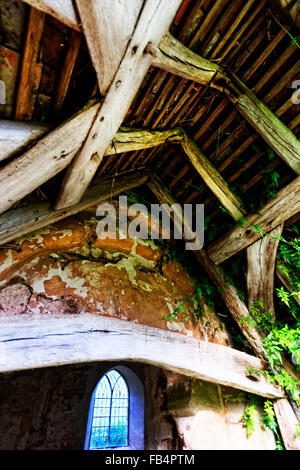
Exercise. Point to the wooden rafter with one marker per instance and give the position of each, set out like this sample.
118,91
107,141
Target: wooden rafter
289,9
173,56
16,136
261,260
153,23
63,82
50,155
86,338
28,74
273,214
213,179
23,220
108,26
63,11
125,140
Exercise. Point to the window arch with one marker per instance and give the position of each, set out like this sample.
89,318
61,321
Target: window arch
116,416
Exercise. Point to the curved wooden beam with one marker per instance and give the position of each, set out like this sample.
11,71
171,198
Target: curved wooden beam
43,342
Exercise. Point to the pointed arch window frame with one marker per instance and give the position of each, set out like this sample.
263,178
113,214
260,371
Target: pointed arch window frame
135,436
114,410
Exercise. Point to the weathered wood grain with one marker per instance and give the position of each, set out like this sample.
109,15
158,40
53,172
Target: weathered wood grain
24,100
153,23
282,272
43,342
54,152
261,258
288,424
62,86
25,219
15,136
62,10
280,138
108,26
213,179
173,56
227,291
45,159
273,214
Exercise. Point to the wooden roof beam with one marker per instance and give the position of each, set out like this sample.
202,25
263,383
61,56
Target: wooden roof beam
213,179
173,56
27,218
154,21
87,338
125,140
108,26
273,214
287,10
53,152
261,258
16,136
28,70
62,10
65,73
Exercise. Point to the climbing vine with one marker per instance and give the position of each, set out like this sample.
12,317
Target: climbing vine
283,334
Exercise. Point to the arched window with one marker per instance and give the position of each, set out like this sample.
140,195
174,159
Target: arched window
116,417
110,416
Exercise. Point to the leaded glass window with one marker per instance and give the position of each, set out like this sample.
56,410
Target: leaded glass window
109,427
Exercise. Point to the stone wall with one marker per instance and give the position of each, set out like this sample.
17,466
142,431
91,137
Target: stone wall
208,416
47,409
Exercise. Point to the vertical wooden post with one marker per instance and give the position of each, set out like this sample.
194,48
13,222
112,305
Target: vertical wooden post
24,104
73,47
261,258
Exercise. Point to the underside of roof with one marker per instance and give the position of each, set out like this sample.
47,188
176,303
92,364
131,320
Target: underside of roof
255,40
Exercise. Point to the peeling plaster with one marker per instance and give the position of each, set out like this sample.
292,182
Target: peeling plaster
8,261
66,276
36,235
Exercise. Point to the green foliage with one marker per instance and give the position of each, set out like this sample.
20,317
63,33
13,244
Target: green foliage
248,418
264,320
269,418
294,41
203,293
281,336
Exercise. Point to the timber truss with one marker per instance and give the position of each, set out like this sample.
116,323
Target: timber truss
121,58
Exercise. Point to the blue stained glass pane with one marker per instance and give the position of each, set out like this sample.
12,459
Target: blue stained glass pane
110,413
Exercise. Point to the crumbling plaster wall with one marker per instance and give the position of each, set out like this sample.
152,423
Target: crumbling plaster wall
65,269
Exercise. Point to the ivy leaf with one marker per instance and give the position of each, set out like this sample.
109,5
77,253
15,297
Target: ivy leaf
271,154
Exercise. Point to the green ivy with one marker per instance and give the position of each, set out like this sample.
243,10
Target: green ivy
248,418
